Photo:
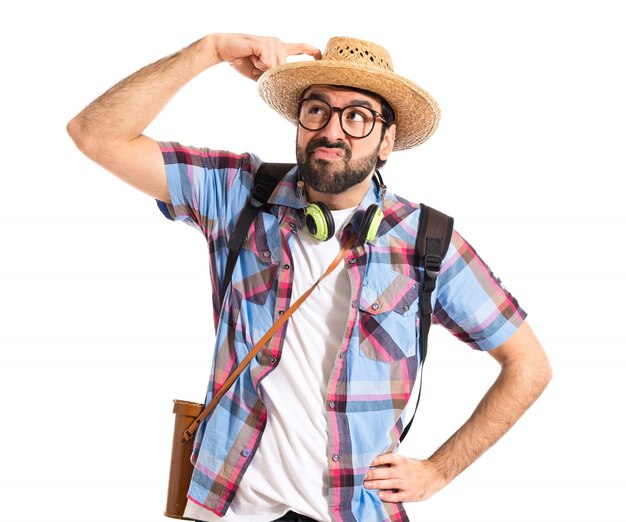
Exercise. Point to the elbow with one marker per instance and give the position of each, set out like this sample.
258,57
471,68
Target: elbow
85,139
76,131
90,139
73,128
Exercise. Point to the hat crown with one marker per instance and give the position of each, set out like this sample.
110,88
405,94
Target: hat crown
357,52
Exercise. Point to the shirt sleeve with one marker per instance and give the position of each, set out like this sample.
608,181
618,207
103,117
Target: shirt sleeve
471,301
207,187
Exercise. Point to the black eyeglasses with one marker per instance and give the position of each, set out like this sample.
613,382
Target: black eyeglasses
356,121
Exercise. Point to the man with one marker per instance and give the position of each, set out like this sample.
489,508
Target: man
310,429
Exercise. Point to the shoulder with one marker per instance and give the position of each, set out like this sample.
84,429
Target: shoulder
402,216
213,159
396,207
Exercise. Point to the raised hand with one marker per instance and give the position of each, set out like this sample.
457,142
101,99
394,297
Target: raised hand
253,55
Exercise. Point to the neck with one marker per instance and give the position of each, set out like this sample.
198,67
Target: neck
347,199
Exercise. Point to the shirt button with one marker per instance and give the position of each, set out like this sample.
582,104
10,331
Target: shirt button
353,304
272,360
286,267
245,453
281,312
292,226
332,405
335,458
405,308
342,354
352,260
266,253
375,306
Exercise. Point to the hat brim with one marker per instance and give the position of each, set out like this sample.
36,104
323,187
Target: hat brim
417,113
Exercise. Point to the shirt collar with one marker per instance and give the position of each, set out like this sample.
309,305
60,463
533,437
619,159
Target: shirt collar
286,193
373,196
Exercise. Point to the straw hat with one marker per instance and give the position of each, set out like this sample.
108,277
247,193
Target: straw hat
355,63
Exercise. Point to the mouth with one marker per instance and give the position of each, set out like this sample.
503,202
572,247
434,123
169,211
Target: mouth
327,153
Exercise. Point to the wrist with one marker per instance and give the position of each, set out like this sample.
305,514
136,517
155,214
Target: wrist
205,51
438,466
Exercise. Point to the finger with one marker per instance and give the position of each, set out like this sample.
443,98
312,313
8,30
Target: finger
384,484
256,74
292,49
262,63
268,60
270,57
380,473
266,54
276,53
279,53
392,496
386,459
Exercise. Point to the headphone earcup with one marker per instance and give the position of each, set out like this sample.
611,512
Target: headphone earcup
368,229
319,221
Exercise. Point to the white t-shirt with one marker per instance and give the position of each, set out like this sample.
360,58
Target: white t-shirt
289,470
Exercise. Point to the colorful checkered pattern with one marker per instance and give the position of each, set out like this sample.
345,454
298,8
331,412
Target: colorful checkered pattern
376,365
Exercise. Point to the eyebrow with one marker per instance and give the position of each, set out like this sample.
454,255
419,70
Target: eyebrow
356,101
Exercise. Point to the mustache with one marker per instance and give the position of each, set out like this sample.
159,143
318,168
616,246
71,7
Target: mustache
324,142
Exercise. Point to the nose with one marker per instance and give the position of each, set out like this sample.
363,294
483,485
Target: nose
333,131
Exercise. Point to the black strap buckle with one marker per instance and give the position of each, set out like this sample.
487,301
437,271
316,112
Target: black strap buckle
432,265
262,191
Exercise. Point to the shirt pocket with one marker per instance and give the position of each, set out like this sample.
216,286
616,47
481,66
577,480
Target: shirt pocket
388,309
258,260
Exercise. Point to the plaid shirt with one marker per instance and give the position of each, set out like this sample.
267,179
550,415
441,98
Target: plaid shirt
377,362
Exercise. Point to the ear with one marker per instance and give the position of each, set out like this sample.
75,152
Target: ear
387,142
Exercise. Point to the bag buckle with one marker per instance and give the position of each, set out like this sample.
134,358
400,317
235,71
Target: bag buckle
432,265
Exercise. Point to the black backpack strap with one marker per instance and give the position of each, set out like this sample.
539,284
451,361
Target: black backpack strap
433,238
266,180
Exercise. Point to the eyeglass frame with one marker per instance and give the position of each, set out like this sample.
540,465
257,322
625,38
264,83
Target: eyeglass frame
339,110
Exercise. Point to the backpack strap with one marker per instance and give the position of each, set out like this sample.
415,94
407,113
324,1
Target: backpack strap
266,180
433,238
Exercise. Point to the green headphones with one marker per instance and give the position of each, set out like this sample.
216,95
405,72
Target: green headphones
321,225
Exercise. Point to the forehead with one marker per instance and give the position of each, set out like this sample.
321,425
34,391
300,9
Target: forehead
336,95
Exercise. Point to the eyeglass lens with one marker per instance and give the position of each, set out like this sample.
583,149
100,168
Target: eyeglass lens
356,121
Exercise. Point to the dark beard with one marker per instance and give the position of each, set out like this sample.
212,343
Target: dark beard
320,174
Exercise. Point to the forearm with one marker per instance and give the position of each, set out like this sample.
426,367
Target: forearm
515,389
110,129
124,111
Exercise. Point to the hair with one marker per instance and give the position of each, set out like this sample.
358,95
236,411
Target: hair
387,112
389,116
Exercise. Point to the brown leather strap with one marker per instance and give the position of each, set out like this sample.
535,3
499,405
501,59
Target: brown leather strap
188,433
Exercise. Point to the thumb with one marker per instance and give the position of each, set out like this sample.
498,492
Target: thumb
292,49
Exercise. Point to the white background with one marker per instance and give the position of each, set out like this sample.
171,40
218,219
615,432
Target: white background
105,306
